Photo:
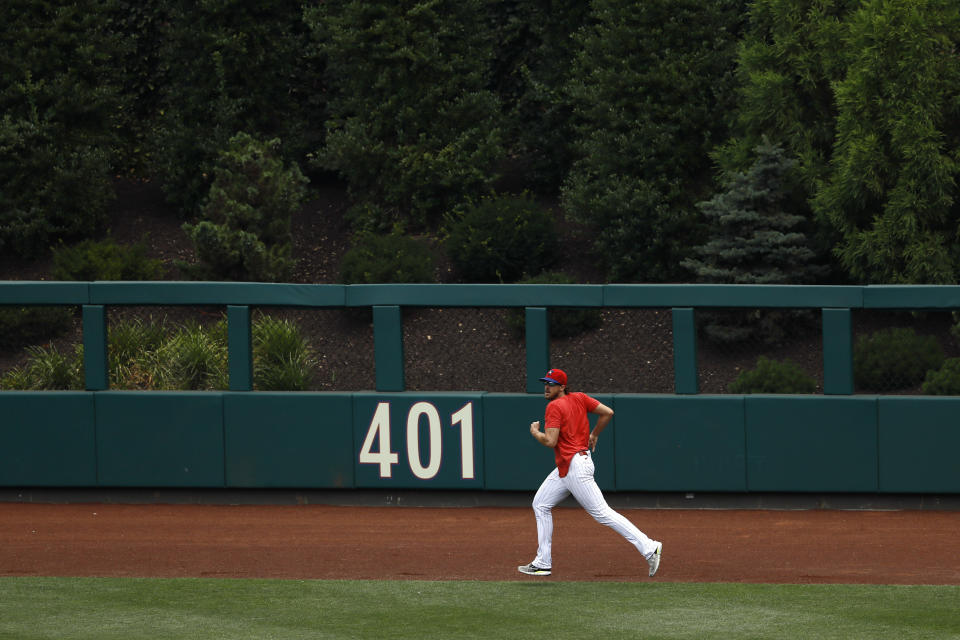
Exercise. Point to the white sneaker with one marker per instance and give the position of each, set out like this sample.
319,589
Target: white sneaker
533,570
654,560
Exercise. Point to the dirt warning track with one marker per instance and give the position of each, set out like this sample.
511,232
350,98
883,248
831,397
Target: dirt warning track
475,543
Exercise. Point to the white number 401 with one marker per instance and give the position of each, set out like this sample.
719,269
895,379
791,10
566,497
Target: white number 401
379,432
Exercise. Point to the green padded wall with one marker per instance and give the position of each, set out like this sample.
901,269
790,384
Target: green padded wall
160,439
47,439
919,441
288,439
811,443
514,460
680,443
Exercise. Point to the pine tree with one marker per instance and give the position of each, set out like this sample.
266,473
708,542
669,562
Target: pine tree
755,239
245,233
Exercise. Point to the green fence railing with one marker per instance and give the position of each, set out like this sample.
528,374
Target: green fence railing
387,301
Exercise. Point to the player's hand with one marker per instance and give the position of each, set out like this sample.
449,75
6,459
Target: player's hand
535,427
592,441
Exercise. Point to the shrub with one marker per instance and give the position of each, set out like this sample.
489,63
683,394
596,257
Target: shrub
894,358
501,239
564,322
245,233
772,376
47,368
944,381
194,358
146,355
20,326
392,258
131,347
105,260
282,359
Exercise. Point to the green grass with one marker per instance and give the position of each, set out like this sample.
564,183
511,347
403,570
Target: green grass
74,608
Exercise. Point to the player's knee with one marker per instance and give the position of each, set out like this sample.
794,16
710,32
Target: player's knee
540,506
601,515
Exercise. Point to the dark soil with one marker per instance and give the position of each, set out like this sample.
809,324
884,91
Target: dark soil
445,349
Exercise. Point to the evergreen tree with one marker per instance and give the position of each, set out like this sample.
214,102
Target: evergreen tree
56,129
754,238
647,88
233,66
140,73
413,127
534,48
245,233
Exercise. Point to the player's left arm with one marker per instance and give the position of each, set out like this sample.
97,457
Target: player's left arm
605,413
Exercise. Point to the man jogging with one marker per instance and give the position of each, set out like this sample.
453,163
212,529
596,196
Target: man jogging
567,432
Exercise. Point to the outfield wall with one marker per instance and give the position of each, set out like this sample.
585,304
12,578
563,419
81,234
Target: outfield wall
392,438
474,441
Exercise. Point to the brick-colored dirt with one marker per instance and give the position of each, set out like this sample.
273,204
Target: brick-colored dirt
475,543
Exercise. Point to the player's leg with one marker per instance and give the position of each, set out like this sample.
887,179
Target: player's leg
582,485
551,492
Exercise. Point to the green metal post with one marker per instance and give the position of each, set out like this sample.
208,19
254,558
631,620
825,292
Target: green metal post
538,346
95,370
685,351
837,351
239,348
388,347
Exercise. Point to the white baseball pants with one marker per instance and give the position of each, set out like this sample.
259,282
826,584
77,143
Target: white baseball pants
580,483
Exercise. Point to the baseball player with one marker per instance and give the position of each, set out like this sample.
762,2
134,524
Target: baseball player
567,432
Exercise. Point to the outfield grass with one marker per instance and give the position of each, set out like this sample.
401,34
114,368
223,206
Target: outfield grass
101,609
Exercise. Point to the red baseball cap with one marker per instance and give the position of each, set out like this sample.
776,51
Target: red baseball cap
555,376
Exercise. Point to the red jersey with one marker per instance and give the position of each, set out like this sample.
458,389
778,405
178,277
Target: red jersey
568,413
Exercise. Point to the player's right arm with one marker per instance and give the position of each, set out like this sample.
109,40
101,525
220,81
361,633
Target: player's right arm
548,437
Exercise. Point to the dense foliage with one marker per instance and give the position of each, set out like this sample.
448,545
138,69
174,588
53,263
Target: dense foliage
863,93
648,84
412,126
56,139
233,66
630,112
